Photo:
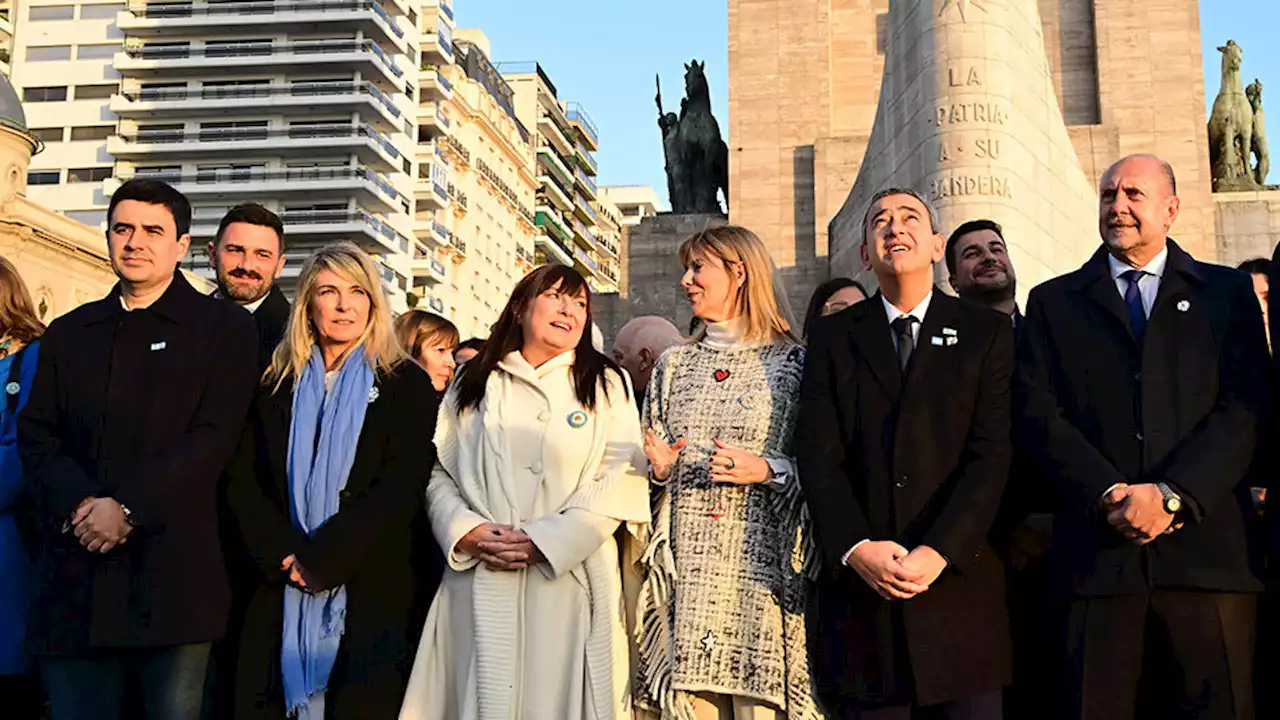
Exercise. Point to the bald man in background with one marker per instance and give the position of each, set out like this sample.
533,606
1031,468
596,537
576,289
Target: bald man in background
639,345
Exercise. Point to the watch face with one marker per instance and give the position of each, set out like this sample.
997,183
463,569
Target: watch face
1173,504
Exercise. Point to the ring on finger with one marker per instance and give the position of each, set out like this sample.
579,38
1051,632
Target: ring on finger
731,465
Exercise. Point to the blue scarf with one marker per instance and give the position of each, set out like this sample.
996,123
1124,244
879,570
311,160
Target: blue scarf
318,470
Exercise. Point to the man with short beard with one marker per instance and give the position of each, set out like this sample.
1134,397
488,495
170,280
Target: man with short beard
981,271
248,255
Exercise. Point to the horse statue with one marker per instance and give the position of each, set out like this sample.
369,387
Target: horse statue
1259,145
697,159
1231,127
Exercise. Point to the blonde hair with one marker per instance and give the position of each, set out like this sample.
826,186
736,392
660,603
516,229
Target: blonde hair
18,319
356,267
761,300
416,327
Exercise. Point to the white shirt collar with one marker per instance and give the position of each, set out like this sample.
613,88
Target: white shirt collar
251,307
917,312
1155,267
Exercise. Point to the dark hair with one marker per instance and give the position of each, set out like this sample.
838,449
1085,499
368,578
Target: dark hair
418,326
965,229
476,344
588,367
154,192
823,293
887,192
253,214
1256,266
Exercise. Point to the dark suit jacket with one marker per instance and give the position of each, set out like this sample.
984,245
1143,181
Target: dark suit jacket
270,320
1185,408
369,546
145,407
922,461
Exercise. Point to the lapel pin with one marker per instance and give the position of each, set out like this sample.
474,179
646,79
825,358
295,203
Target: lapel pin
12,388
1184,305
949,331
373,393
158,346
937,340
577,419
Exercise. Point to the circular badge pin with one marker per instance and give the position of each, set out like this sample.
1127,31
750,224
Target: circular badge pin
577,419
12,388
747,401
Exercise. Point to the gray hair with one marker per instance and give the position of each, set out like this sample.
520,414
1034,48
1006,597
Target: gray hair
928,208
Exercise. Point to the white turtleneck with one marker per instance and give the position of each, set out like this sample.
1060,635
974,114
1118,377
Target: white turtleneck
727,335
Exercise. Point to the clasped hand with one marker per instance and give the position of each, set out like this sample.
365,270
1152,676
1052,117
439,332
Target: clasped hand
893,571
1137,512
728,464
100,524
501,547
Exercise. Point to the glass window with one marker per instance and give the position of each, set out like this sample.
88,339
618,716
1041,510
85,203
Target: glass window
47,53
92,132
100,12
49,177
48,134
93,218
97,52
93,174
52,12
44,94
96,92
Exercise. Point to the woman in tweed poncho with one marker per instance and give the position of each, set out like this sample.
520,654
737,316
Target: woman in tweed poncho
721,632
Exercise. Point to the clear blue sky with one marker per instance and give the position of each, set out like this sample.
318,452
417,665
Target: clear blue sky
604,53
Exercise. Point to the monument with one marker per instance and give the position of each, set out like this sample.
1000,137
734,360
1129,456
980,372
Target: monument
697,160
1232,128
968,117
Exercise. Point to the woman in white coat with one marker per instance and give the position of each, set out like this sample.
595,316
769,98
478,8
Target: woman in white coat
538,440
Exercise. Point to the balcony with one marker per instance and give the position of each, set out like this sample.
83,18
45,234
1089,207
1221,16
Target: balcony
550,221
550,251
438,46
609,246
586,184
586,160
308,229
429,192
431,231
370,146
553,194
297,99
582,208
362,56
548,159
435,86
239,17
582,234
584,259
551,131
370,189
428,268
432,122
524,256
582,123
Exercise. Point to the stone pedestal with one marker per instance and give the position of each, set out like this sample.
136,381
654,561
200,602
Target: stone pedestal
968,118
653,273
1247,225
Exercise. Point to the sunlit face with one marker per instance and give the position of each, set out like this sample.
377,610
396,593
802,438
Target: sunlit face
555,320
843,298
436,355
900,240
982,265
339,310
712,287
1136,205
247,259
143,243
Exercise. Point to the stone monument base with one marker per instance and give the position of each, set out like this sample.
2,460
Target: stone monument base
653,273
1247,224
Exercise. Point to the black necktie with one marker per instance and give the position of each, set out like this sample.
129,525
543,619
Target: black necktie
1133,301
902,328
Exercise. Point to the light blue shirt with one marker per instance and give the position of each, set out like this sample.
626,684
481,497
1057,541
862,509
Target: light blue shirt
1148,285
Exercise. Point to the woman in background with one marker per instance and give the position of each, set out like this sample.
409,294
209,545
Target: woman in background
20,329
722,625
538,442
325,487
831,297
430,340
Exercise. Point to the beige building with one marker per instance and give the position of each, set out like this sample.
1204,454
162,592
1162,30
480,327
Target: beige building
804,84
475,187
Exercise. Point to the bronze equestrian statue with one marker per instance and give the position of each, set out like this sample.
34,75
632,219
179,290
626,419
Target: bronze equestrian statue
697,159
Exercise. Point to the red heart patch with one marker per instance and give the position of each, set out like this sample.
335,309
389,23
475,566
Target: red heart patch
722,375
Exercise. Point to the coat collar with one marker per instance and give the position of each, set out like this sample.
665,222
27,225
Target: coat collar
175,305
873,338
1181,273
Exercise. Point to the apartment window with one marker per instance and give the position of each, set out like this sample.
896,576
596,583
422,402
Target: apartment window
243,130
50,177
104,51
96,92
93,174
92,218
100,12
48,53
52,12
92,132
160,133
230,173
237,48
48,134
159,171
44,94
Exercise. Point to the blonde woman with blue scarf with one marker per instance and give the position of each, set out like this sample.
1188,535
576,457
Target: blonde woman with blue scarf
326,489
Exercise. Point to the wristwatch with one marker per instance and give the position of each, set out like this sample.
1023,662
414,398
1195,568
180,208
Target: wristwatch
1172,500
128,514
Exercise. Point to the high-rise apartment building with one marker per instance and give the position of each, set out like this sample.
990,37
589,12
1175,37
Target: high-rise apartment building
567,199
476,183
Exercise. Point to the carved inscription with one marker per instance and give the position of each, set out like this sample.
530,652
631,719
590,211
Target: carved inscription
969,112
968,138
963,185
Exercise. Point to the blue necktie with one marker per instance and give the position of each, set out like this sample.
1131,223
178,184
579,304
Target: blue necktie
1133,300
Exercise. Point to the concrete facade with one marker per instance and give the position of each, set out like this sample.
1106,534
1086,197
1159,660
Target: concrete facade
804,84
1247,225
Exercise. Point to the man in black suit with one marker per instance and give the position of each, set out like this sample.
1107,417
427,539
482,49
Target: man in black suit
1142,386
980,269
247,255
138,402
903,447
